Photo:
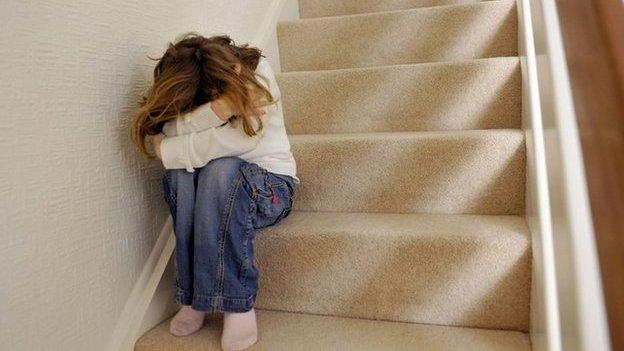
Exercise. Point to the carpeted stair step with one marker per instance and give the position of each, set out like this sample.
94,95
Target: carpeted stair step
471,172
322,8
281,331
460,270
445,33
475,94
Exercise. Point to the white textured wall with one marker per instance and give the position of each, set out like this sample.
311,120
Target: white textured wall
79,209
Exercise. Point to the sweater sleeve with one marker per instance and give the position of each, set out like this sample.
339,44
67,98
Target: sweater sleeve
196,149
203,136
203,117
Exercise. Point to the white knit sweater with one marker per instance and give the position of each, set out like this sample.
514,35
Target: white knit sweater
197,137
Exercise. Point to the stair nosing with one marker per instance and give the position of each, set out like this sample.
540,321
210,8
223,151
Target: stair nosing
425,214
391,12
382,320
416,232
406,134
382,11
465,62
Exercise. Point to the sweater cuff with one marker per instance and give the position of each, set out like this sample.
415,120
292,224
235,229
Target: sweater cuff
174,153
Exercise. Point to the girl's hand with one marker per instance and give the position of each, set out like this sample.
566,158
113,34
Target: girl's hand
222,109
156,140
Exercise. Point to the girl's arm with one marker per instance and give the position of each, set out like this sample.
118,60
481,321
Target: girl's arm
217,112
196,149
208,115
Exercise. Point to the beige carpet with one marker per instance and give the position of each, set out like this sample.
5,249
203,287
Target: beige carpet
451,270
408,229
477,172
321,8
445,33
300,332
476,94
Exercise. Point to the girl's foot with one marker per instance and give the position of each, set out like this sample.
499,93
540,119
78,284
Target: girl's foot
240,331
186,321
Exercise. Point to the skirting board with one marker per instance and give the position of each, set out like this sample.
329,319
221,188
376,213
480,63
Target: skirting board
545,333
567,309
129,324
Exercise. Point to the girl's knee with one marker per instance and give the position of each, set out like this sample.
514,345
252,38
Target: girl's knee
174,179
224,164
220,173
173,176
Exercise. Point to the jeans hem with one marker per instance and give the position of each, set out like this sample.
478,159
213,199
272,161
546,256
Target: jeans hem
215,303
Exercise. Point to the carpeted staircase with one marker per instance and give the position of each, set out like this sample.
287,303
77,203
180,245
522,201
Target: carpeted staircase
404,118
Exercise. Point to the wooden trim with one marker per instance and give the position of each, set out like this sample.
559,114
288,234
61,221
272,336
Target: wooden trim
593,36
611,14
545,327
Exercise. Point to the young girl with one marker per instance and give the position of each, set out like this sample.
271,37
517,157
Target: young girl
213,119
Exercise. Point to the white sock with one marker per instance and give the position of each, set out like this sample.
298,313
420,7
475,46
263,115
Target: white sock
240,331
186,321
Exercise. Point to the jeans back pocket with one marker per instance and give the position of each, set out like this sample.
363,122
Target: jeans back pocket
272,194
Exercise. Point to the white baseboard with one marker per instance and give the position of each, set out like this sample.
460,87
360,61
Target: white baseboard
544,325
129,325
567,307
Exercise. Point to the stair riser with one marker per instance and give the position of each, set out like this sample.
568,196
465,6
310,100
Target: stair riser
434,34
483,94
480,172
460,280
321,8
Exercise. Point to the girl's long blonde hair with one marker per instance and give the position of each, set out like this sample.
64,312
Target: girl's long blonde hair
195,70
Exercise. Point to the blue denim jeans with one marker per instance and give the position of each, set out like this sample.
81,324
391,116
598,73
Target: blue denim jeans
215,211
